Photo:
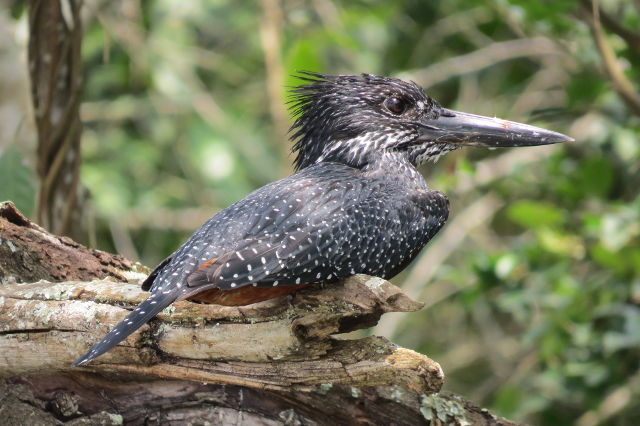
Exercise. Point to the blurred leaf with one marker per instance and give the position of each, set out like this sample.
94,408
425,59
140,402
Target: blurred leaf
17,181
619,227
302,56
17,8
535,214
508,399
505,265
608,259
626,142
595,176
561,243
583,88
627,333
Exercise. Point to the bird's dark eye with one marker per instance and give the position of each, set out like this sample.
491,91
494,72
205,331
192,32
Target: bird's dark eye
395,105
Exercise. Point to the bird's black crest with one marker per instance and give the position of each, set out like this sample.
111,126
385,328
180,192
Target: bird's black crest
329,107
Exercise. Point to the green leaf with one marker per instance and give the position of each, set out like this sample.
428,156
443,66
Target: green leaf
17,181
561,243
535,214
302,56
508,398
596,176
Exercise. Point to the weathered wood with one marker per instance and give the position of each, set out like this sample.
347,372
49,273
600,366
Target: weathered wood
279,344
29,253
102,399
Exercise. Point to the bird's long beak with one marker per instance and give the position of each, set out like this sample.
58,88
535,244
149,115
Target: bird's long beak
456,127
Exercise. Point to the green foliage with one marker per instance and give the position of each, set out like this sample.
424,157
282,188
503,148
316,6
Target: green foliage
17,181
535,214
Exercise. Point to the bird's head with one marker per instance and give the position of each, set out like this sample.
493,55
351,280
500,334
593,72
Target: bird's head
355,119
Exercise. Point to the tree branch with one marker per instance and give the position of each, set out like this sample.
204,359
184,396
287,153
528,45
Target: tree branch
630,37
621,83
482,58
55,65
271,345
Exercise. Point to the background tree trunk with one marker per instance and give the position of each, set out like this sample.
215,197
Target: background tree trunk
55,66
271,363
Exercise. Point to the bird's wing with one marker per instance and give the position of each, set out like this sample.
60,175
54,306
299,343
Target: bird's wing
255,261
289,243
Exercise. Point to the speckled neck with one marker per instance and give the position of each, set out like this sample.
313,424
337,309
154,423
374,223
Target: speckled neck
393,165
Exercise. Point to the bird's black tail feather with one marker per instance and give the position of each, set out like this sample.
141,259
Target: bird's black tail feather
136,319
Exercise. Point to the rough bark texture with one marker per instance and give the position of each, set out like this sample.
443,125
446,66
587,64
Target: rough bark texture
29,253
55,68
273,363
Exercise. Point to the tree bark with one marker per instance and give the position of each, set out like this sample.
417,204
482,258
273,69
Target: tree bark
55,68
273,363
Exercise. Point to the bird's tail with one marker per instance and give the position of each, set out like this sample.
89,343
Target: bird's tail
136,319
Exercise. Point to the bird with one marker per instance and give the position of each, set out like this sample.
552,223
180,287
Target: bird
356,203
